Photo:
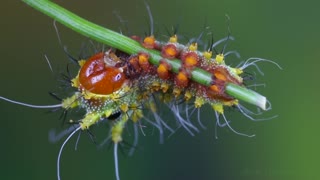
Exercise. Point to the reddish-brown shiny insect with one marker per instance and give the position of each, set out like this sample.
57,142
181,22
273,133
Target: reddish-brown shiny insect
99,77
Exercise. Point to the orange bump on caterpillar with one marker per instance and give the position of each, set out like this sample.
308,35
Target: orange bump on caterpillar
169,51
163,70
143,59
190,59
182,78
149,42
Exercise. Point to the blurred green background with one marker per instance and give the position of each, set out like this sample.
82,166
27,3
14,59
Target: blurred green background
286,147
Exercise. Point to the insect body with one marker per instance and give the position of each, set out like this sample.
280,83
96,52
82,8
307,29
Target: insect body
123,88
120,87
99,77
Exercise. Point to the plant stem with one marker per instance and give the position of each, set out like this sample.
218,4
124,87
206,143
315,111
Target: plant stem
130,46
246,95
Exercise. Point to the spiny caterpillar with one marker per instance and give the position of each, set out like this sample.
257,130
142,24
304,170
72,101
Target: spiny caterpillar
119,87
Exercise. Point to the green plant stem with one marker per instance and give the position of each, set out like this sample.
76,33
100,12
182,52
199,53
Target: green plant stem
130,46
246,94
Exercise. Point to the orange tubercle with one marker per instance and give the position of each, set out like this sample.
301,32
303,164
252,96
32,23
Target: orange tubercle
220,75
169,51
215,88
163,70
223,75
144,61
182,79
190,59
149,42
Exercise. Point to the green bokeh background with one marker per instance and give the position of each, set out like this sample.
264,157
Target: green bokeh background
286,147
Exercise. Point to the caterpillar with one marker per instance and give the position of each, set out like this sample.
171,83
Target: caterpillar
119,87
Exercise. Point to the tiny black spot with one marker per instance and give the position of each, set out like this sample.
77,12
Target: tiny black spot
114,116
